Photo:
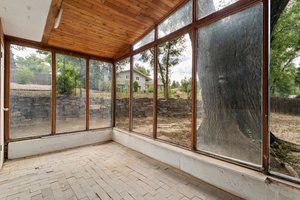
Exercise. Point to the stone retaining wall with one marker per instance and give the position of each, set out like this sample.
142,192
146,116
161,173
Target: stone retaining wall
24,110
142,107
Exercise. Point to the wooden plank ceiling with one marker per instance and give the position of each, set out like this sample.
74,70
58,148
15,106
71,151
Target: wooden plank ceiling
104,28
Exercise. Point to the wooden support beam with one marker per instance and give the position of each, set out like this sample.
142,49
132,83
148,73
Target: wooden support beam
6,90
131,92
53,11
194,80
53,126
1,34
113,110
155,87
87,92
265,88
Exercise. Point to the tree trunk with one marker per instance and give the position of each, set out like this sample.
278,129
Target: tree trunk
229,71
167,71
277,7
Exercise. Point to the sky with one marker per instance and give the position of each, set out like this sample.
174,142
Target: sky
27,51
296,61
180,71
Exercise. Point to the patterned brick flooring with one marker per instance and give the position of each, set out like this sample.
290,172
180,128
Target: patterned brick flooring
104,171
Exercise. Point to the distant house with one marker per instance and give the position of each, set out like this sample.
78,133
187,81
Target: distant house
144,81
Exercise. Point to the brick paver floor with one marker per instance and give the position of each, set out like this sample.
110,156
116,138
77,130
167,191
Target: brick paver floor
103,171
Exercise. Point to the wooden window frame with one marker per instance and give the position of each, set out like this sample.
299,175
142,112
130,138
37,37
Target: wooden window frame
192,28
9,40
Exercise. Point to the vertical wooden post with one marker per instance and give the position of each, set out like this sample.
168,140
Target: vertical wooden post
155,86
131,91
194,81
53,127
113,109
87,92
6,90
265,87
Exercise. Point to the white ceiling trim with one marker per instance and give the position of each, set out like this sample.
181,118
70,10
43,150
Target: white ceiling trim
24,18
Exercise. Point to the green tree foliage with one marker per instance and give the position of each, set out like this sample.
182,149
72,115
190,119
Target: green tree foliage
168,56
67,81
142,69
285,47
169,53
122,65
70,75
175,84
186,86
100,76
135,86
29,68
24,75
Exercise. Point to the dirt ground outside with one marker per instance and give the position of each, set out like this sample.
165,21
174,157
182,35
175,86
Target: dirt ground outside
287,128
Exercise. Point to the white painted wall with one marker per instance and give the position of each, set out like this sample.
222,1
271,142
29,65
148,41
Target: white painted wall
121,79
48,144
24,18
141,81
237,180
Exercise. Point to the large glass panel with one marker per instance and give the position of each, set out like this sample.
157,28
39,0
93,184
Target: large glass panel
177,20
174,104
229,63
70,94
122,93
30,92
143,92
207,7
145,40
100,94
285,92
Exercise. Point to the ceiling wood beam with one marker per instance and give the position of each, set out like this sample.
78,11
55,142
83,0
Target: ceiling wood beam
53,11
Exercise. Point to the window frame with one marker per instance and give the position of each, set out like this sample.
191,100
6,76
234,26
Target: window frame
54,51
202,22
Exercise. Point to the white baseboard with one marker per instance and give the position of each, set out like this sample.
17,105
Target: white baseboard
48,144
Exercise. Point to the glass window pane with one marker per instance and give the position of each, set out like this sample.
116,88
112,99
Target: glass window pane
229,63
30,92
285,93
145,40
143,92
100,94
70,94
177,20
207,7
122,93
174,105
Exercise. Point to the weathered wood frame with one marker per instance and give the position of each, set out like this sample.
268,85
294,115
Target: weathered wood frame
54,51
192,28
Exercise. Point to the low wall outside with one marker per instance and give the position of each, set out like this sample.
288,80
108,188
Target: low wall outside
285,105
143,107
24,109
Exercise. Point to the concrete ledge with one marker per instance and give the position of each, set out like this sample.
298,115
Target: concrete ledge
237,180
48,144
